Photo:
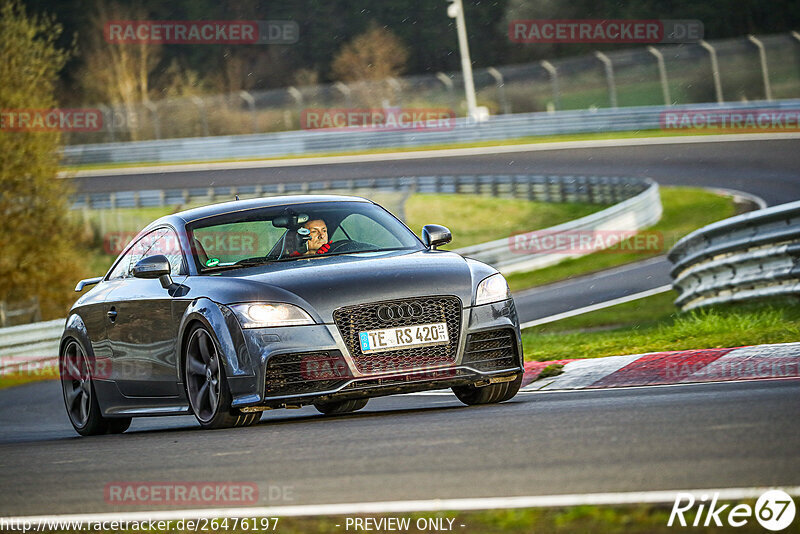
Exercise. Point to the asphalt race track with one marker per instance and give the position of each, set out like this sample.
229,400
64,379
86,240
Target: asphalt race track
430,446
418,447
765,168
578,292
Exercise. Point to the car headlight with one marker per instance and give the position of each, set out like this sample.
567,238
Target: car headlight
265,315
492,289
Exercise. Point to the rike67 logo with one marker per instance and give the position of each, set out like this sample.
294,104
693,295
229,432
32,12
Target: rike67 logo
774,510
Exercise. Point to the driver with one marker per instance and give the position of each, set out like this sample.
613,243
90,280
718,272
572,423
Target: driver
318,242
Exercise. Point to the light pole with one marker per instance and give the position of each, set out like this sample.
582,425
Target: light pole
456,11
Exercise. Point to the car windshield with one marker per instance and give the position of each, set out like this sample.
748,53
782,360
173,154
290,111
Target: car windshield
294,232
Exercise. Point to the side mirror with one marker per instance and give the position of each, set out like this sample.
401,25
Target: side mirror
154,267
434,235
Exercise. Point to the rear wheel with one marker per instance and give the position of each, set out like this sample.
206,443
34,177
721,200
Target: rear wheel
80,398
471,395
339,407
207,386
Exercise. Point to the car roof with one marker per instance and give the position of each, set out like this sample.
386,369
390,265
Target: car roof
194,214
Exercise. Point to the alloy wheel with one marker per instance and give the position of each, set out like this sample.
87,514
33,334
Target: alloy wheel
76,383
202,374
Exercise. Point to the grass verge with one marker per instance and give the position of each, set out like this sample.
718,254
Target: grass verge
19,377
653,324
631,519
477,219
685,209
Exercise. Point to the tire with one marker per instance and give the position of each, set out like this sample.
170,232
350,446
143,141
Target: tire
207,385
340,407
80,397
493,393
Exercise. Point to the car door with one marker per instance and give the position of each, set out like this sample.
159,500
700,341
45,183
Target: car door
142,328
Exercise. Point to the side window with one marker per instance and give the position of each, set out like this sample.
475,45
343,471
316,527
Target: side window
134,254
167,243
365,230
162,241
121,269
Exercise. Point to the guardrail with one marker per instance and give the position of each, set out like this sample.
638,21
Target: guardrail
638,212
27,310
539,188
497,128
754,255
29,345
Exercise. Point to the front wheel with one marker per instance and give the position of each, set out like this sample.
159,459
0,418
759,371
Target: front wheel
471,395
207,386
80,398
339,407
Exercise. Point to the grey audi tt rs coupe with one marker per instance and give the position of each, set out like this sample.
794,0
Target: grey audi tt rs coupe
228,310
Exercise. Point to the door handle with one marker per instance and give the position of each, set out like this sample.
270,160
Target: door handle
112,314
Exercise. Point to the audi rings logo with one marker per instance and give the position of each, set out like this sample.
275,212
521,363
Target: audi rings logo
395,312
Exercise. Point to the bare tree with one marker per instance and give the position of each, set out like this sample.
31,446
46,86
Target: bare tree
372,60
118,73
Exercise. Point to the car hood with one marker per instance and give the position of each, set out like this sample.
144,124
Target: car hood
322,285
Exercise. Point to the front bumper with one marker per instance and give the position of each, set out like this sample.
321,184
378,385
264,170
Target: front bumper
301,365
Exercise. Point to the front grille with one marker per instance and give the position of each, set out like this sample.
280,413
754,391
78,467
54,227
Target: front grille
306,372
351,320
492,350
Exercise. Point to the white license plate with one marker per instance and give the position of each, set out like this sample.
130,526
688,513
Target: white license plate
403,337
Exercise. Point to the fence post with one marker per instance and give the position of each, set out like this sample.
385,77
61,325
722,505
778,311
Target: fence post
152,107
712,53
762,56
346,92
109,124
501,89
662,74
395,84
251,103
197,101
297,96
551,70
448,83
609,68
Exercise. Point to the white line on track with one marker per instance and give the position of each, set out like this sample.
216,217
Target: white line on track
427,154
598,306
430,505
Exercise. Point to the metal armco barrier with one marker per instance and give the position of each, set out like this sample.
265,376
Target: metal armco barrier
637,212
497,128
754,255
539,188
29,344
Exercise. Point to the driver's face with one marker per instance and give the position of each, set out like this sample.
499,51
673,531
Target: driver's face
319,234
